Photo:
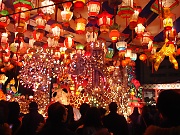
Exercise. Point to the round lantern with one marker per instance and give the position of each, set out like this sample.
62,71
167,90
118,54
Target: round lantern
104,21
93,7
66,14
68,42
4,37
79,3
168,23
124,63
41,22
121,45
139,29
143,57
4,19
80,25
114,35
133,56
48,10
20,6
56,30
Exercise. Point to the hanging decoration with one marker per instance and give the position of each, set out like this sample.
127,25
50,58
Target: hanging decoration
93,7
104,21
66,14
78,4
114,33
80,25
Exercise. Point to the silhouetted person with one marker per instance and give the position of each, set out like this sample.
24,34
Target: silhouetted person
13,117
102,112
92,123
134,118
55,123
169,108
4,126
83,109
31,120
145,119
115,123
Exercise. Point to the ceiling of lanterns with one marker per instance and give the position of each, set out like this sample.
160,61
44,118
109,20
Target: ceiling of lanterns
152,22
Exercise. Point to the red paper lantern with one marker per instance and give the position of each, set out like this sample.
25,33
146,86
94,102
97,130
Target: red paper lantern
80,25
79,3
68,42
93,7
38,34
168,23
104,21
139,29
66,14
114,35
56,30
143,57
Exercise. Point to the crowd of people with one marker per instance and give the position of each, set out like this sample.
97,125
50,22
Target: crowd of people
162,119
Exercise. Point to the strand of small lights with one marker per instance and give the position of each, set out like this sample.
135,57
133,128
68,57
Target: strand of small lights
37,70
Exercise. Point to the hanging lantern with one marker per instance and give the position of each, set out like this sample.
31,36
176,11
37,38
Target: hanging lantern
93,7
114,33
91,32
20,6
133,56
170,34
56,53
128,53
66,14
168,23
80,25
139,29
79,3
143,57
4,19
146,38
48,9
121,45
69,42
104,21
134,19
38,34
110,53
79,48
4,38
41,22
56,30
126,9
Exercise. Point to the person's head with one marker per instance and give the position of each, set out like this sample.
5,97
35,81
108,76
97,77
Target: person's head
33,106
113,107
102,111
57,113
93,117
83,108
3,111
167,104
14,111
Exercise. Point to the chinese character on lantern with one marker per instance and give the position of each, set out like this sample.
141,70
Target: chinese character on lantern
91,32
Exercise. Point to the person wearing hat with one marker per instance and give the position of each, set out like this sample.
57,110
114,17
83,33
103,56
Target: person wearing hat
31,120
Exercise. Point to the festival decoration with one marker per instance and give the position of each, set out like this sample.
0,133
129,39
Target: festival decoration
104,21
93,7
80,25
3,78
48,9
79,4
66,13
114,33
121,45
168,49
91,32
